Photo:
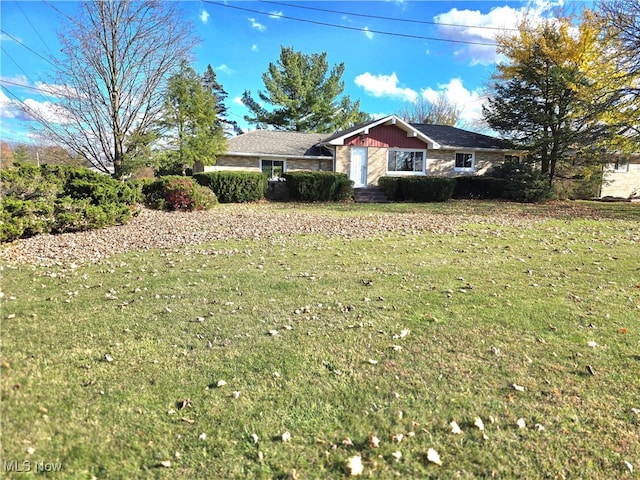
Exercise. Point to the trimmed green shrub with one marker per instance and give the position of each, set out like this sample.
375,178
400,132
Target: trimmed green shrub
390,186
319,186
234,187
479,187
24,218
417,189
524,183
426,189
59,198
178,193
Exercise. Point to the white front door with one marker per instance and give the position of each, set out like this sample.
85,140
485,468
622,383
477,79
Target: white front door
359,166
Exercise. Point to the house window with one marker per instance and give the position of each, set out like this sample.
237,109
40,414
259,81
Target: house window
621,164
405,161
465,162
272,168
512,159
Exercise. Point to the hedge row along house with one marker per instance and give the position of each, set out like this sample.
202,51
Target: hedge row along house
387,147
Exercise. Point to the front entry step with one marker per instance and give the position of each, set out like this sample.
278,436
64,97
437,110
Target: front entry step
369,195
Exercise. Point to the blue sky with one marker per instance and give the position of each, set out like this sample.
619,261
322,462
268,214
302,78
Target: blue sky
414,50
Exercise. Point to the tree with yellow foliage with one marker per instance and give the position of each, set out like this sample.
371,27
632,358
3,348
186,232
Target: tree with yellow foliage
559,93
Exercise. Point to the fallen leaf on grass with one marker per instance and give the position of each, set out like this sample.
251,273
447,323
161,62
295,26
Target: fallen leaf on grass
354,465
374,441
592,343
397,455
397,438
479,423
521,423
286,436
518,388
402,334
629,466
108,358
203,436
434,457
221,383
372,361
273,333
165,464
455,428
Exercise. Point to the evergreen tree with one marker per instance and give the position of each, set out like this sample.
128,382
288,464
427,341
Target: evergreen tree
211,84
304,94
190,120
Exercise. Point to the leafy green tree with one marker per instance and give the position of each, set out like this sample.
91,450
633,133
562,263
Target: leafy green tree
558,94
191,120
304,95
22,154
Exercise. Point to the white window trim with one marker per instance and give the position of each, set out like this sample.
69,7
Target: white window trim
397,172
267,159
465,169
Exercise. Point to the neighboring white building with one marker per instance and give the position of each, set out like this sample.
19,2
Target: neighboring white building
622,178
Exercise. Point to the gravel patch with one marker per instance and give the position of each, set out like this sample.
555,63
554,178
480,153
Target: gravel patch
157,229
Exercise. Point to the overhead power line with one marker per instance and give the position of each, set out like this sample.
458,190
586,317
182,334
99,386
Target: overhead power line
345,27
32,26
16,84
394,19
28,48
4,51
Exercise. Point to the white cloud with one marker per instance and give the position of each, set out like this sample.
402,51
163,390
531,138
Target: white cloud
224,68
16,80
384,86
257,25
7,107
58,91
368,33
254,48
483,27
275,15
49,111
238,101
470,102
204,16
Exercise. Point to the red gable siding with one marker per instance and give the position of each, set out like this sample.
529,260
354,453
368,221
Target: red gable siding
386,136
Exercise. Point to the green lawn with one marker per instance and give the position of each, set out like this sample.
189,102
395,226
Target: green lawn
193,362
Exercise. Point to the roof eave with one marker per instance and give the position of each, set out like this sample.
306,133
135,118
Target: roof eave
277,155
389,120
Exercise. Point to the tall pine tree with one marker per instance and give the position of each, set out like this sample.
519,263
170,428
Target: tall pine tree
304,96
211,84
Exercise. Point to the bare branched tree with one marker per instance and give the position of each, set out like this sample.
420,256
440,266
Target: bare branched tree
109,81
439,112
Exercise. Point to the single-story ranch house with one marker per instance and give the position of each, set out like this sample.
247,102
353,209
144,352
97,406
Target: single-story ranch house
385,147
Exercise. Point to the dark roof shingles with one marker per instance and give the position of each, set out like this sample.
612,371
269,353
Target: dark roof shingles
272,142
